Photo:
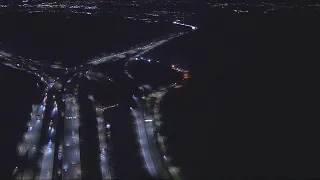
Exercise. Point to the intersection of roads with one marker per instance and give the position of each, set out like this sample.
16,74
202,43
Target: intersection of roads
52,142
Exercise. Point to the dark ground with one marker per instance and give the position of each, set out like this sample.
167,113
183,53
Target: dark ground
249,110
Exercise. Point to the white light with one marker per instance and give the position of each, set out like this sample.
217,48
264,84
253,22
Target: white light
148,120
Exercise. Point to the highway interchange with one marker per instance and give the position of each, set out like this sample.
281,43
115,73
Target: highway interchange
53,140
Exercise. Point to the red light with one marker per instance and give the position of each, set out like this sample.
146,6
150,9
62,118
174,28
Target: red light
172,66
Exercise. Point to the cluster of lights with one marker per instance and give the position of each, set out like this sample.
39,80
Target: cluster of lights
61,5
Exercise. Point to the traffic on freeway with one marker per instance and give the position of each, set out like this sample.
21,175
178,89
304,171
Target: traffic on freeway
104,155
153,101
104,133
71,149
52,141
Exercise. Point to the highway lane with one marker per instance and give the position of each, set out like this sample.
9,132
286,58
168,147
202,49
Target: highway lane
31,137
102,134
89,144
46,171
143,143
156,117
71,149
47,161
128,162
110,149
146,136
58,116
32,143
107,165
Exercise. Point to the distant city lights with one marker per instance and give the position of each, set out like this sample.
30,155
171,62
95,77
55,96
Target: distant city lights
186,25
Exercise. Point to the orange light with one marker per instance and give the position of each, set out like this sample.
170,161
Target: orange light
186,75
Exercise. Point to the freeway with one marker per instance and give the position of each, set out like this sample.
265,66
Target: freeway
60,157
47,161
155,116
134,52
37,68
146,138
33,141
71,149
103,134
46,171
104,156
31,137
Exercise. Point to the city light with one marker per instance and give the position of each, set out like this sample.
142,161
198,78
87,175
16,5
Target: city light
57,110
